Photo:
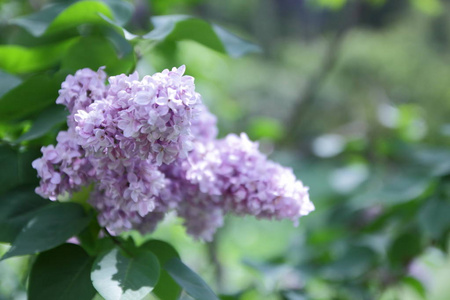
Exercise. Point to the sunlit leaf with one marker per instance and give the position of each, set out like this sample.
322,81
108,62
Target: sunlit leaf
416,285
94,52
83,12
119,277
18,59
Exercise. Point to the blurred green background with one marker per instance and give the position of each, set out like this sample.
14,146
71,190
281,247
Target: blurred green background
355,97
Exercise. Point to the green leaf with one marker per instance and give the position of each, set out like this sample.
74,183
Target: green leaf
416,285
62,273
44,122
189,280
59,17
17,168
8,82
116,276
434,218
83,12
18,59
166,288
181,27
16,209
163,251
94,52
37,23
355,262
234,45
31,96
50,227
122,10
404,248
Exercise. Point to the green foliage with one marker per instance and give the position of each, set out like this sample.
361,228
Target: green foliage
16,168
177,28
16,209
49,227
94,52
188,280
7,82
44,122
33,95
119,275
167,288
66,270
18,59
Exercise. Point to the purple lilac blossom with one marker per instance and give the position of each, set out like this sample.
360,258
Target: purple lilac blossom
232,176
81,90
149,147
150,118
63,168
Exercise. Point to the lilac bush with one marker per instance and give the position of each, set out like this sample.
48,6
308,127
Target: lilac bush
150,146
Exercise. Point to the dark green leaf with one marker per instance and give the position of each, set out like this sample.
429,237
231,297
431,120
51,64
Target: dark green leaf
94,52
31,96
404,248
8,82
180,27
45,121
116,276
434,218
89,237
62,273
189,281
17,168
51,226
16,209
18,59
166,288
163,251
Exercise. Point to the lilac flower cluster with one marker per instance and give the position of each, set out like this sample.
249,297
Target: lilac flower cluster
149,146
